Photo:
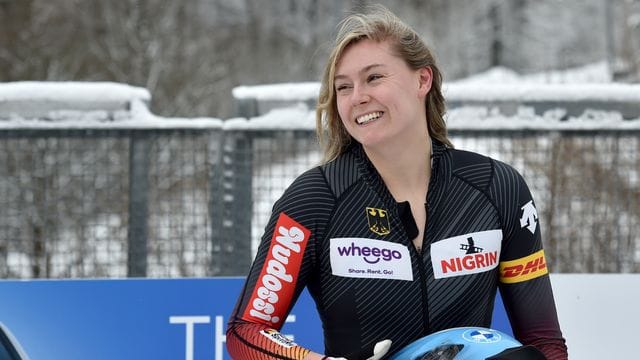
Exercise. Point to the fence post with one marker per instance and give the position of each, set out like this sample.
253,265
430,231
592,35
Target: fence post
138,204
231,216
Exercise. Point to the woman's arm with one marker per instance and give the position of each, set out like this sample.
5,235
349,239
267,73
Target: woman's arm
284,263
524,276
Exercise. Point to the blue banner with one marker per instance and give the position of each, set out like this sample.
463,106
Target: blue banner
137,318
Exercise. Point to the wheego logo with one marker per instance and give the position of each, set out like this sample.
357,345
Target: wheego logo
369,259
523,269
274,290
371,255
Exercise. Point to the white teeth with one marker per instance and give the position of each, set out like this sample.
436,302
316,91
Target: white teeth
369,117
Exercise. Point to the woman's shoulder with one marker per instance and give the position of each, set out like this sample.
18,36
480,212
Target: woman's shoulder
310,187
480,168
342,172
461,159
311,178
332,177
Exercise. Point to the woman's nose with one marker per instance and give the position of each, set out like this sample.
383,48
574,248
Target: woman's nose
359,96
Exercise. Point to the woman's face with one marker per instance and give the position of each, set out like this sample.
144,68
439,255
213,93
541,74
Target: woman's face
379,98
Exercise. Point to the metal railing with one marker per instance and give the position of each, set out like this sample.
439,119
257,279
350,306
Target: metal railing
193,201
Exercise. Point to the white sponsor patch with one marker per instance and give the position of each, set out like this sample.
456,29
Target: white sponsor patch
368,258
278,338
466,254
274,289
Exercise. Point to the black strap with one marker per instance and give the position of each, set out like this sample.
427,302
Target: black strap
519,353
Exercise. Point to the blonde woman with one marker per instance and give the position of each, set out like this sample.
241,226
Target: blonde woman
397,235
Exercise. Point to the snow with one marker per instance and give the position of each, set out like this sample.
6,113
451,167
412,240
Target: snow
589,84
137,117
532,92
592,73
474,90
474,101
71,91
284,91
487,118
512,89
296,117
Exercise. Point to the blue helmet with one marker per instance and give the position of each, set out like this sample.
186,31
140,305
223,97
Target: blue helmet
464,343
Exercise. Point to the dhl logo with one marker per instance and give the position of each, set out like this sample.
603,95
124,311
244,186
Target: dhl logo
523,269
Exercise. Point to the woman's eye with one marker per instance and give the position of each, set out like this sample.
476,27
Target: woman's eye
342,87
374,77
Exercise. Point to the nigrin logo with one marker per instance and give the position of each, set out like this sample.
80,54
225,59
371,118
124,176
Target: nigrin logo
466,254
470,262
470,247
474,258
367,252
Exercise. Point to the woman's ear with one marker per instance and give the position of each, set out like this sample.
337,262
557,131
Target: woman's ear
425,77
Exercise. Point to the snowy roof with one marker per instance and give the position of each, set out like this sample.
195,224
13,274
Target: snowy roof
500,90
285,91
591,82
468,91
136,116
497,99
35,99
525,118
71,91
295,117
530,92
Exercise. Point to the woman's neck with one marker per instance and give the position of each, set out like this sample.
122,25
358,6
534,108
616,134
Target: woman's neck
405,167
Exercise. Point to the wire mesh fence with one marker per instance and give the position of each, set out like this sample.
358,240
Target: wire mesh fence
194,202
586,185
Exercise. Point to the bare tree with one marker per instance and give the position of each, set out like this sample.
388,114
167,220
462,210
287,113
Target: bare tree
190,54
629,67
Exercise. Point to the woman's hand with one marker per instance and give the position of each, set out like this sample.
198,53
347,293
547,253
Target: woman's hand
380,349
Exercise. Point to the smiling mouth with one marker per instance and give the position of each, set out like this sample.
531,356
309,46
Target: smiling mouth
364,119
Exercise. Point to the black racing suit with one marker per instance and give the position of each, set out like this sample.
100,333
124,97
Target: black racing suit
338,231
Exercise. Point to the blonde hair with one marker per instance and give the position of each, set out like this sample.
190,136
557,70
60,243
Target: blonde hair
376,23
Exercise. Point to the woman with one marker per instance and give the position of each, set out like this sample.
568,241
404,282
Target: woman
397,235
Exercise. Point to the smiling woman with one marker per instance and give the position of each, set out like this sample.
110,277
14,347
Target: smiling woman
381,100
382,32
401,236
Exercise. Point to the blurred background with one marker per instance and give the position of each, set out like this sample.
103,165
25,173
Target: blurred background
190,54
165,184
